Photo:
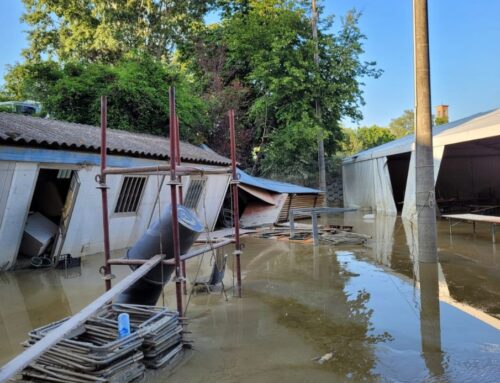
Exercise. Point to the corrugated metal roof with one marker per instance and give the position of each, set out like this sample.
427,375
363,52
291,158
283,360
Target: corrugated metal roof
41,132
274,186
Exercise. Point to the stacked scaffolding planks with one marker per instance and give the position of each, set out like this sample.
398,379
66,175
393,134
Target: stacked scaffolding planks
95,352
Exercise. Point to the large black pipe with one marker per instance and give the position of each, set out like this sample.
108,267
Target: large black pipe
158,240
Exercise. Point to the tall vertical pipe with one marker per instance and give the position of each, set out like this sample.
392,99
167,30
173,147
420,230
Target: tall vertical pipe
321,144
179,189
425,198
104,192
173,198
236,208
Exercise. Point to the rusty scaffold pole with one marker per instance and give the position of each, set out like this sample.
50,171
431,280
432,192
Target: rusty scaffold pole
179,189
104,193
173,199
236,208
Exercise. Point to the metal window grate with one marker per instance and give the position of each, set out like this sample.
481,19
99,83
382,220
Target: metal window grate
194,192
130,194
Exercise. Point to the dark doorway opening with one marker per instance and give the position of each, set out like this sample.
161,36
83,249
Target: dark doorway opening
49,211
398,166
225,218
50,193
468,178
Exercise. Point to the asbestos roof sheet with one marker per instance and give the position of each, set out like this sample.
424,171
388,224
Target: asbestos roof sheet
274,186
16,129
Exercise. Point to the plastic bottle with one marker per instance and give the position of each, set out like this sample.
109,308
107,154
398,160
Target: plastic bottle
123,325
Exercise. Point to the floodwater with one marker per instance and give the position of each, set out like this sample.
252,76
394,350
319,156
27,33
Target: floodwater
373,312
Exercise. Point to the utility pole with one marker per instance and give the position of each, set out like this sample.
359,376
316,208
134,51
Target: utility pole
425,198
321,145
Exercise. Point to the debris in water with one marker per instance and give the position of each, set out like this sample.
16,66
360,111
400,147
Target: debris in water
324,358
344,238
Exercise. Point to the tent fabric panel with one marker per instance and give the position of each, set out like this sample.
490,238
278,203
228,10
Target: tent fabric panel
367,184
384,200
358,184
409,207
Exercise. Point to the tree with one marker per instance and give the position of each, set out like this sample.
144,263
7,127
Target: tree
403,125
258,60
105,30
268,50
138,88
357,140
441,120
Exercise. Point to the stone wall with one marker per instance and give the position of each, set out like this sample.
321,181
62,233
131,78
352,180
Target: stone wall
335,192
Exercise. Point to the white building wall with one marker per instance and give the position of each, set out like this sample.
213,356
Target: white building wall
16,210
212,199
84,235
6,174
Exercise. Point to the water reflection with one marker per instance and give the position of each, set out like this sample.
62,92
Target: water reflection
430,318
306,289
302,302
29,299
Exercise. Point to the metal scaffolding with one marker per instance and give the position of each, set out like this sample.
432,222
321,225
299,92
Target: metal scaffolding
176,171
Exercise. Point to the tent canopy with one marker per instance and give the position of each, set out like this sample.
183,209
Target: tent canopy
369,176
477,126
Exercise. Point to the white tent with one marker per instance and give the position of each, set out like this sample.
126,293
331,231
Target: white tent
466,156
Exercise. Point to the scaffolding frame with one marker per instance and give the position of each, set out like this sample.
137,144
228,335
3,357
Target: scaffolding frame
176,171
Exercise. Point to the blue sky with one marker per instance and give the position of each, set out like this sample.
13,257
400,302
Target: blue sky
465,53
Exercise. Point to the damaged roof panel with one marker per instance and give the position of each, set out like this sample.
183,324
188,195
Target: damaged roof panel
16,129
274,186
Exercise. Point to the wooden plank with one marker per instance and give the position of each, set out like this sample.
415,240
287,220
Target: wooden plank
259,214
9,370
474,217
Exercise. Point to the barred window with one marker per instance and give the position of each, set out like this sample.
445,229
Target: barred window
194,192
130,194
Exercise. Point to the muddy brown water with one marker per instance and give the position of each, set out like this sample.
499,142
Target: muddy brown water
373,311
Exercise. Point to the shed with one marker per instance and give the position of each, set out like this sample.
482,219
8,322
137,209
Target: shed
466,155
266,202
49,166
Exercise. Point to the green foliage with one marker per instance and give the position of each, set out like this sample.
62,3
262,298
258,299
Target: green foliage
266,48
364,138
440,120
106,30
137,90
403,125
6,109
258,60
